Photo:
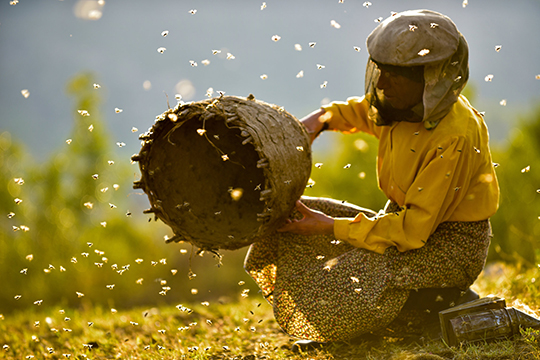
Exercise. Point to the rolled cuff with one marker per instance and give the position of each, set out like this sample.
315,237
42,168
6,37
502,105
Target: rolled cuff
341,228
342,231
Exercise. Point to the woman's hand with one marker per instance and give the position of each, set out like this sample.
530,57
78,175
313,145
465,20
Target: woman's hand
313,223
314,123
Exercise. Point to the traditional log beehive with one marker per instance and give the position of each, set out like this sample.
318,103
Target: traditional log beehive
224,172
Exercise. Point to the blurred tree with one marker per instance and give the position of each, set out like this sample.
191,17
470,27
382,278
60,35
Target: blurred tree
13,211
516,225
53,197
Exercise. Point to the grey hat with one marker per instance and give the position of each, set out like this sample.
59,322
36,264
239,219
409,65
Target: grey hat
414,37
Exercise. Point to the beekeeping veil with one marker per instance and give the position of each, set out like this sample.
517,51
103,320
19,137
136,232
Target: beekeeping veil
418,38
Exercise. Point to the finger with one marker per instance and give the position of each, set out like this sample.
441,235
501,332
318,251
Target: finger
291,226
303,209
284,228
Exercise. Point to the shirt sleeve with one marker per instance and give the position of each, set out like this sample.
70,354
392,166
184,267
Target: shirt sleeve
350,116
440,185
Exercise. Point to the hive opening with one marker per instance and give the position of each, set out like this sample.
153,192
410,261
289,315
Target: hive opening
214,190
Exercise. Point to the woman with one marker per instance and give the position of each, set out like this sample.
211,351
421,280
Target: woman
337,271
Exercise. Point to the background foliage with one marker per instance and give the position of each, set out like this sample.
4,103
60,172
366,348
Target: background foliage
58,250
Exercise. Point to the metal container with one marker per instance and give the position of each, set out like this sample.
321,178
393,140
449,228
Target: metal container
483,319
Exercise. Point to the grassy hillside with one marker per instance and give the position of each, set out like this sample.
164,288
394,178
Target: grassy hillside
240,328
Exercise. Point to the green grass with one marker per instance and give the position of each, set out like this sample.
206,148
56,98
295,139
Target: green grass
241,329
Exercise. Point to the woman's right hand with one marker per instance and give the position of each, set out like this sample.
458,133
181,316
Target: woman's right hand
313,222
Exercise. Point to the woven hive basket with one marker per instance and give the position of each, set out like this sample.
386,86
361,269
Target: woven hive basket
224,172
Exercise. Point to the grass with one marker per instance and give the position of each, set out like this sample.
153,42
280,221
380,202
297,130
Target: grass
240,329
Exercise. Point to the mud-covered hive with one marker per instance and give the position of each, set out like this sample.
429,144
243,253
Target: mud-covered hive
224,172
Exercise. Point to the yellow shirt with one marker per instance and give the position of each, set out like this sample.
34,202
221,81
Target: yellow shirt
438,175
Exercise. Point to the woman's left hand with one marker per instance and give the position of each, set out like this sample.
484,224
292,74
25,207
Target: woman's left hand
313,222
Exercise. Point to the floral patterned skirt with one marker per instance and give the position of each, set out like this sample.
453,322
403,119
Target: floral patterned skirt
322,289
